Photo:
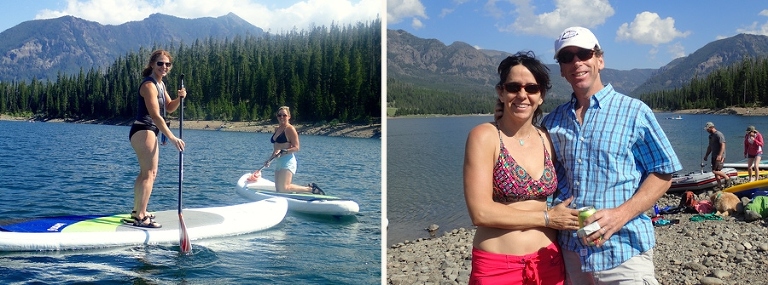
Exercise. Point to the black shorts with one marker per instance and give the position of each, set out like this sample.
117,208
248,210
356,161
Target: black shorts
141,127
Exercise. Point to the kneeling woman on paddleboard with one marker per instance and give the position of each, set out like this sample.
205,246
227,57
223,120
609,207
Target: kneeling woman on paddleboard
149,122
508,175
285,142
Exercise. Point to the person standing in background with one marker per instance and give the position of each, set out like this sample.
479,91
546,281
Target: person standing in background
717,148
753,150
611,155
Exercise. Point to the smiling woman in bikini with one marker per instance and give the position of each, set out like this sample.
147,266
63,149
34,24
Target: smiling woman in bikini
508,175
285,143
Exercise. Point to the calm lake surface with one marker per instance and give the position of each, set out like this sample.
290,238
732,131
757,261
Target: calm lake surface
425,158
66,169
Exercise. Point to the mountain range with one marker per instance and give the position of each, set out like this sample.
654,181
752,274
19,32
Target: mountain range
432,64
42,48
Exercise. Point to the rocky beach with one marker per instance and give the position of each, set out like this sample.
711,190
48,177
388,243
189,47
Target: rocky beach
693,251
743,111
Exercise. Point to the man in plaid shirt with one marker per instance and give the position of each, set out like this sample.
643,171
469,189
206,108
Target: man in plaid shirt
613,155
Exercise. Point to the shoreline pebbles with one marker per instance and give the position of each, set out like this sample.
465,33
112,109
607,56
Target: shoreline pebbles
708,252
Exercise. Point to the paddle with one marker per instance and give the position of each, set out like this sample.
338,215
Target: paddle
184,245
257,174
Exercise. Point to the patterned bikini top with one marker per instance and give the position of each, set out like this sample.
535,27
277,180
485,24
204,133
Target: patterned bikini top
511,183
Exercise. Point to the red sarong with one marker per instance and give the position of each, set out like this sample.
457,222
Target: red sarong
545,267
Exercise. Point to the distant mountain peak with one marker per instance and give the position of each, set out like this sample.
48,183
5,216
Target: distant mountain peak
710,57
42,48
429,62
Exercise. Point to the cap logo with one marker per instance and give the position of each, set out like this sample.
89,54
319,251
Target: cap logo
568,34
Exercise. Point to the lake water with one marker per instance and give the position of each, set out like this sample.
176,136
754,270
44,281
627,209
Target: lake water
65,169
425,158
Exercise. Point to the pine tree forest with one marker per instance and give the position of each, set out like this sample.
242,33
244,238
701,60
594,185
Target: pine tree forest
744,84
325,74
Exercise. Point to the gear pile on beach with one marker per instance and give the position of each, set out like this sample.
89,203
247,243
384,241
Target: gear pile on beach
692,248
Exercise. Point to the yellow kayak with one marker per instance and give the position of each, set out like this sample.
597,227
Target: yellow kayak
743,173
747,186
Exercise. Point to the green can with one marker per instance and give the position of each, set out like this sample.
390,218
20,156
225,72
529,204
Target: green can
584,213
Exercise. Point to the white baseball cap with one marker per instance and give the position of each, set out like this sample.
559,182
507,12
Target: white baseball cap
576,36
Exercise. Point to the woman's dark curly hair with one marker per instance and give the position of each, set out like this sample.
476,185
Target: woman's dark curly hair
539,70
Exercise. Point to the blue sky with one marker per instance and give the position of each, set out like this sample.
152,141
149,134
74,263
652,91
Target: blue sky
275,16
634,34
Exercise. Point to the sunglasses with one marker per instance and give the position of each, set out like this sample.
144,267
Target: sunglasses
514,87
567,56
282,115
167,64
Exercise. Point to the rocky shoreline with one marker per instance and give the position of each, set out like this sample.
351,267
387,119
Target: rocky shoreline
319,129
742,111
708,252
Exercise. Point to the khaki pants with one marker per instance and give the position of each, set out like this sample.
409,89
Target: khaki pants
638,270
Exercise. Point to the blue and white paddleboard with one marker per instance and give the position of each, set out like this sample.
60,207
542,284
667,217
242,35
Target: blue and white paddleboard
307,203
100,231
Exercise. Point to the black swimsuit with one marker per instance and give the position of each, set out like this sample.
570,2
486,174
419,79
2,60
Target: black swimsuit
143,121
139,127
280,139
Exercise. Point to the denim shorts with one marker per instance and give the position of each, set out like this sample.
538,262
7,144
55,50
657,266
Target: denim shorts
287,161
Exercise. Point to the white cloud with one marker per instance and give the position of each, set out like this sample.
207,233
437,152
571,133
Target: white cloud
756,28
108,12
492,9
397,10
649,28
276,16
445,12
652,53
456,3
417,24
676,50
585,13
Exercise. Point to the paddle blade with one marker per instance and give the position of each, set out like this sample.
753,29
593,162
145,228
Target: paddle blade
255,176
185,246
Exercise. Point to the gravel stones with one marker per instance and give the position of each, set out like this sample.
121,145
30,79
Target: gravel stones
728,251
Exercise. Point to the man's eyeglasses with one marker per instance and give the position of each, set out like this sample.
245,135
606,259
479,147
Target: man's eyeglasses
514,87
282,115
167,64
567,56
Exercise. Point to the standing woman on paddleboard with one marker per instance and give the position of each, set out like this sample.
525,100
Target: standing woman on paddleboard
285,142
508,176
153,102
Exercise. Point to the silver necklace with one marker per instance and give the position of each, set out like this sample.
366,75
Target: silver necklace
522,141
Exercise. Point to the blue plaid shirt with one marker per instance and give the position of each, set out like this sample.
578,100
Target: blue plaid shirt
602,163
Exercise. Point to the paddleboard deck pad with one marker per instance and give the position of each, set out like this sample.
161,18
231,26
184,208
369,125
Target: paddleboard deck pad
307,203
100,231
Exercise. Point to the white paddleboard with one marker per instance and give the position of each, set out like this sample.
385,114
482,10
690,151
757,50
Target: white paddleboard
100,231
307,203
